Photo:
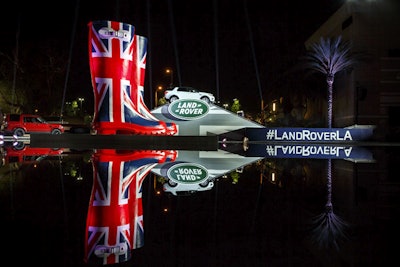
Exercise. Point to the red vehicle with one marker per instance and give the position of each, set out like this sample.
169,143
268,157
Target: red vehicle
20,124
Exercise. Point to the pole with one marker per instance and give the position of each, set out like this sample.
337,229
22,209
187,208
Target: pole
155,98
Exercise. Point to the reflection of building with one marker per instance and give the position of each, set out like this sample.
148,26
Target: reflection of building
370,93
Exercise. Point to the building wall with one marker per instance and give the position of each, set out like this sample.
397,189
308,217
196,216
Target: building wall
370,93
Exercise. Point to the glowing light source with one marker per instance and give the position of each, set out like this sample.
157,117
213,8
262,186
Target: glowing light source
170,72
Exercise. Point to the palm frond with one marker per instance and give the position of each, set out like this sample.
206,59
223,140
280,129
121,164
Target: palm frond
329,56
329,230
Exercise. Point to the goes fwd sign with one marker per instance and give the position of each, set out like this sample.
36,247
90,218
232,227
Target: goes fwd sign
188,109
187,173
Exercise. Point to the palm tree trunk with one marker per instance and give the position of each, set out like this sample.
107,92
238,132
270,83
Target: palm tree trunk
329,81
329,187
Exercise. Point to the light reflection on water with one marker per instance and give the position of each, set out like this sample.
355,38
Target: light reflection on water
270,212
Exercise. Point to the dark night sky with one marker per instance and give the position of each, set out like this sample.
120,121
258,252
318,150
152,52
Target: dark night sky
184,37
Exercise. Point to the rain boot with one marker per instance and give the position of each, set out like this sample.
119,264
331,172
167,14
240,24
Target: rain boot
111,50
139,78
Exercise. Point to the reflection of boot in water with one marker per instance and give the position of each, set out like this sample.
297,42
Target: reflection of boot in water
108,231
136,211
111,52
138,77
135,200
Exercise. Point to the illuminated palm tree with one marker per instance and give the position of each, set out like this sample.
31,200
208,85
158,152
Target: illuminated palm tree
330,56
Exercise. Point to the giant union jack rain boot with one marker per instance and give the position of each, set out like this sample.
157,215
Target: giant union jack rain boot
138,78
114,224
111,50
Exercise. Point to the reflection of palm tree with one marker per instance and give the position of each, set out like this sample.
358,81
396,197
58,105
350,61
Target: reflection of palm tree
329,229
330,56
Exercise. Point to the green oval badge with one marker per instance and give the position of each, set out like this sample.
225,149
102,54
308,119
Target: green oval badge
187,173
188,109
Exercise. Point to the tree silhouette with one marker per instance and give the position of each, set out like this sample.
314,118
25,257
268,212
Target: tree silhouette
29,81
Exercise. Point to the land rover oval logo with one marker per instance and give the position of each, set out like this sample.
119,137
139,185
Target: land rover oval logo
187,173
188,109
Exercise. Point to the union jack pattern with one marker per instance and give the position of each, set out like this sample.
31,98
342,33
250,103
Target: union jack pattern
114,224
137,93
139,78
136,208
108,233
110,38
103,90
141,55
111,46
113,59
